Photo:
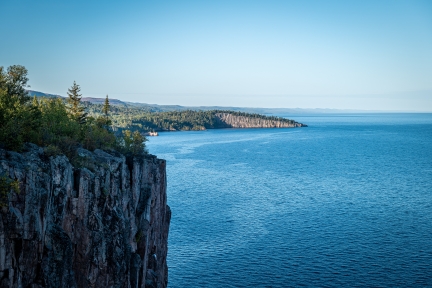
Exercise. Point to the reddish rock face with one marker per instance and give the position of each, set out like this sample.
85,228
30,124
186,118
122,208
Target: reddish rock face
104,224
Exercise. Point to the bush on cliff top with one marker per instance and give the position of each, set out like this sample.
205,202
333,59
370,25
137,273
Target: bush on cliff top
6,186
53,124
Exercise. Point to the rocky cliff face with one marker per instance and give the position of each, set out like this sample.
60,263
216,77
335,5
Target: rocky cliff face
102,225
236,121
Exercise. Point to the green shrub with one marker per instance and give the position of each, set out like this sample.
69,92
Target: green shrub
6,186
132,144
97,135
52,150
139,236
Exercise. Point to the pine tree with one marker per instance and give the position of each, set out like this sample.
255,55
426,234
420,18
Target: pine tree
104,120
75,108
106,107
16,83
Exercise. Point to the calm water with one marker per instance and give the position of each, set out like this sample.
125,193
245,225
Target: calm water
346,202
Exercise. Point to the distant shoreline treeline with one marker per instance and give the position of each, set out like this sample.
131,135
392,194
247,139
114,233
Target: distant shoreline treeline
140,119
60,125
147,118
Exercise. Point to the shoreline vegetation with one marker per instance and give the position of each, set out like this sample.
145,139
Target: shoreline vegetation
149,120
62,125
137,119
59,125
89,206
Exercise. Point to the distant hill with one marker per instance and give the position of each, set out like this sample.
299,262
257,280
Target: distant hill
41,94
102,101
167,108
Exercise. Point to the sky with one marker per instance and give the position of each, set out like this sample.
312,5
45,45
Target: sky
373,55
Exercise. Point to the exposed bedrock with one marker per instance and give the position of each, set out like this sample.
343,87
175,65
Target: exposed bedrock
238,121
104,224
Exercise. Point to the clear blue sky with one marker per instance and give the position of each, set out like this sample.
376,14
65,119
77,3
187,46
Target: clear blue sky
308,54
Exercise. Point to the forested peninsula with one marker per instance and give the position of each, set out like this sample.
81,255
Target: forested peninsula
62,124
138,119
146,118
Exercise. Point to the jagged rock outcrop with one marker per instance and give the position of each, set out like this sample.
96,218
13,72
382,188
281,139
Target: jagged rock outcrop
102,225
239,121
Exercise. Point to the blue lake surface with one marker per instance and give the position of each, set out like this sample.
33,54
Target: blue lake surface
345,202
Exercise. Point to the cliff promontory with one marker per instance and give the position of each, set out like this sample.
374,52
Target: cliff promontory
237,120
102,224
198,120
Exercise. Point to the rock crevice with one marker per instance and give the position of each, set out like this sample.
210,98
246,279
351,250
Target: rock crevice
104,224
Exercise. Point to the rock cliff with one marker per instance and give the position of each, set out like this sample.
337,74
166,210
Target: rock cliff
237,121
104,224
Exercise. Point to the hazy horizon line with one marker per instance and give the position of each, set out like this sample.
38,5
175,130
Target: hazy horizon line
352,110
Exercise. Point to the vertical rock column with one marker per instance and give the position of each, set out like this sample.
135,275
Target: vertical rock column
104,224
149,185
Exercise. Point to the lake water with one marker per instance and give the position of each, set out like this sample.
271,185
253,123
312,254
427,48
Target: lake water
345,202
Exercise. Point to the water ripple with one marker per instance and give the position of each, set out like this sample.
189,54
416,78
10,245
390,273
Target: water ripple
335,205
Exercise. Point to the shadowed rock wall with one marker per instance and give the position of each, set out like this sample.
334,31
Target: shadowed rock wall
102,225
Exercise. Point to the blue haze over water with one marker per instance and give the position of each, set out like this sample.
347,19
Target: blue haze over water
345,202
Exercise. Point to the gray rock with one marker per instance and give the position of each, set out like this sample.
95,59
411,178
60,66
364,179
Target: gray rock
105,225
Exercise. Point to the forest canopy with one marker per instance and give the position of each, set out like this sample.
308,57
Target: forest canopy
58,125
61,125
143,120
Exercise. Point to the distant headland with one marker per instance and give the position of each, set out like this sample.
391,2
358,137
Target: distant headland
150,118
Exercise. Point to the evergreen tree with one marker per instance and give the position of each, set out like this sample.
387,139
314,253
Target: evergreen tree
12,88
104,121
76,110
106,107
49,123
16,81
17,119
138,145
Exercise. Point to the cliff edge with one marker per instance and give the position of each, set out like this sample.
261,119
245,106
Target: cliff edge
104,224
231,120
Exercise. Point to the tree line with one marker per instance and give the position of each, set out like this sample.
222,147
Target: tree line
140,119
61,127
